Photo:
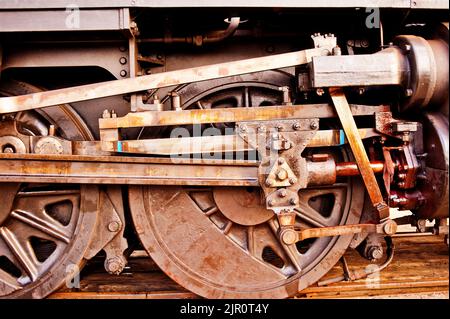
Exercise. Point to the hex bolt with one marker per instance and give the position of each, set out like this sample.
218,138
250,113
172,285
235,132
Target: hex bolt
375,253
123,73
123,60
314,125
269,182
282,174
176,101
51,130
114,226
337,51
282,193
106,114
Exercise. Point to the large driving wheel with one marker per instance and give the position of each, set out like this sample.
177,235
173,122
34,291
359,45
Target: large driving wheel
221,242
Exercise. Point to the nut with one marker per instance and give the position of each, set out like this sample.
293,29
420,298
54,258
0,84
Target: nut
282,192
289,236
269,182
374,252
296,126
114,265
114,226
282,174
123,60
314,125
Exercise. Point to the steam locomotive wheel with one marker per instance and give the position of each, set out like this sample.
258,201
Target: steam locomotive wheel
221,242
44,229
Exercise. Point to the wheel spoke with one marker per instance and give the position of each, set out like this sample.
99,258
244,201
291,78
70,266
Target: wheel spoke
246,99
51,229
290,250
310,216
19,252
8,283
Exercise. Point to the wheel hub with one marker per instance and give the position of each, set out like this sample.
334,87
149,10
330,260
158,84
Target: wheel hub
242,206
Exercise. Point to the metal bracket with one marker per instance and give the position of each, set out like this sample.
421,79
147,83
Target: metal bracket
109,231
280,144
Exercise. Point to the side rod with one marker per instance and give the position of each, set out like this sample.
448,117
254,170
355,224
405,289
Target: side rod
159,80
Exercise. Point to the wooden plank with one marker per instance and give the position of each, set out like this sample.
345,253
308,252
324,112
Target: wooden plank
419,270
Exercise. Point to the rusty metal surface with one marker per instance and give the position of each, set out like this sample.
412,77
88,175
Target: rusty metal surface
162,118
351,131
46,232
205,262
160,80
116,170
387,67
418,271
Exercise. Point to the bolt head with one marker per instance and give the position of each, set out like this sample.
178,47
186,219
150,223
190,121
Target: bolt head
8,150
123,60
375,253
114,226
296,126
282,174
293,201
270,202
269,182
314,125
106,114
282,192
293,180
390,228
281,161
289,236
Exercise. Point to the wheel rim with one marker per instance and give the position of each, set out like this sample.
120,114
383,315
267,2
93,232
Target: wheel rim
189,237
202,242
